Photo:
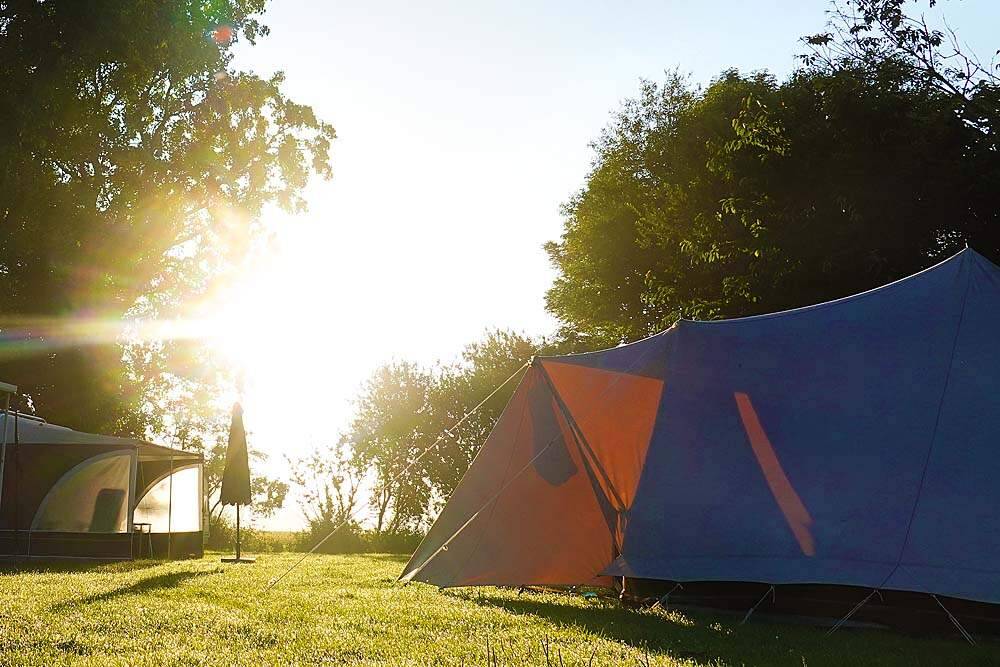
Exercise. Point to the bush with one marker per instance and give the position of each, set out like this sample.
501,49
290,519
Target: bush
222,537
405,542
351,539
346,540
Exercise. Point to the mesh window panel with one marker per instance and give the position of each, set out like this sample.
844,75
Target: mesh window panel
154,508
90,498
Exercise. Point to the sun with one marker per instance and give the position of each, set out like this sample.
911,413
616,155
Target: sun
272,326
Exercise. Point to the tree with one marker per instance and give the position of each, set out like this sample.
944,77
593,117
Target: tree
391,427
416,429
133,172
329,483
750,196
484,366
873,31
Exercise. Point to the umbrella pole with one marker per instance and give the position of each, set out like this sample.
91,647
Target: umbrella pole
237,531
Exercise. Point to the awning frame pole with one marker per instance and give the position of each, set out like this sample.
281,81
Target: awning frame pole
19,477
133,472
3,442
170,510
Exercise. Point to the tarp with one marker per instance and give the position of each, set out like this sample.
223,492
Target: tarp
853,442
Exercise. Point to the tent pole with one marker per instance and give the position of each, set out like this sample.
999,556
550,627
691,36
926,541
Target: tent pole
664,602
769,591
170,511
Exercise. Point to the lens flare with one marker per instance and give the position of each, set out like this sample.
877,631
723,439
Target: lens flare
25,336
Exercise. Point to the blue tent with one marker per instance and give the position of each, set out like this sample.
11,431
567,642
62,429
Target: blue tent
855,442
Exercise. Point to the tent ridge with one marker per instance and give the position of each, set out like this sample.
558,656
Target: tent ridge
937,417
960,255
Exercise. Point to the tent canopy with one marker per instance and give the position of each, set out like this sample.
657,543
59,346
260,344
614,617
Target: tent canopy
854,442
35,431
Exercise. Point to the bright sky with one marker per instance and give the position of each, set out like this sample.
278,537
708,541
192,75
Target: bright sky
462,128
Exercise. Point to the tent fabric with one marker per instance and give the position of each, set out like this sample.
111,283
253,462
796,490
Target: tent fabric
516,501
854,442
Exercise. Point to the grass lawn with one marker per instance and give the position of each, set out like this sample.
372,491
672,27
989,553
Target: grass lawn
348,610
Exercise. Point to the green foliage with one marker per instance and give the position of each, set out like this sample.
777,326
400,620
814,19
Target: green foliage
865,32
328,484
132,178
222,537
404,412
349,538
393,424
348,610
752,196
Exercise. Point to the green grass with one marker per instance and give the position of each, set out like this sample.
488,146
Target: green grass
347,610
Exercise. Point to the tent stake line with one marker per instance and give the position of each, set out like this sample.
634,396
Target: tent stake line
447,433
769,591
965,633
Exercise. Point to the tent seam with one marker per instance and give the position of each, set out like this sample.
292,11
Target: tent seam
583,444
937,422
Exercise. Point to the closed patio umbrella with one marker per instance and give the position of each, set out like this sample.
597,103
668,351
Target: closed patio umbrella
236,476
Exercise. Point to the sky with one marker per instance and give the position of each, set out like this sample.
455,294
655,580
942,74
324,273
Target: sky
462,127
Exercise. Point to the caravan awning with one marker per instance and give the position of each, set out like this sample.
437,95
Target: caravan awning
31,430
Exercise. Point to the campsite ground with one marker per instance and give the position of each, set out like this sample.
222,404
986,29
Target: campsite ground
348,610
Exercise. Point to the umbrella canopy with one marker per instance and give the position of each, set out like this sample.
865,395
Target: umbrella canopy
236,477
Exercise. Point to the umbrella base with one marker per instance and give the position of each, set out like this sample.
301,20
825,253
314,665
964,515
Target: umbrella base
240,559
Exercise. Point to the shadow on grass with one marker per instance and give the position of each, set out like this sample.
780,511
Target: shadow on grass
68,566
147,585
718,640
650,631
